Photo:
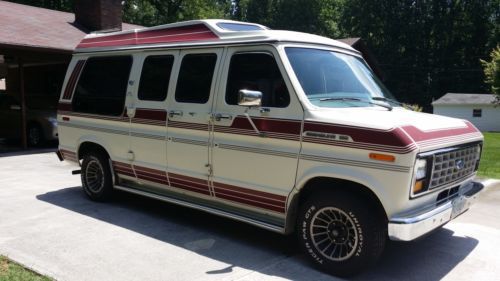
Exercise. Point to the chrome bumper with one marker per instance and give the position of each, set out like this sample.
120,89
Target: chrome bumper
411,227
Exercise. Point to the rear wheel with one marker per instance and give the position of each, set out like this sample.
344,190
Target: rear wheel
340,233
96,176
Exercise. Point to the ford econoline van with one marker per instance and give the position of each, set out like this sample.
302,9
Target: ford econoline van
287,131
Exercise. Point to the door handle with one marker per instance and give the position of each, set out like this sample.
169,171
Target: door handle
220,116
174,113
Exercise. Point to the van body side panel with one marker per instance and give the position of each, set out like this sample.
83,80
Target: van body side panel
255,168
148,125
188,133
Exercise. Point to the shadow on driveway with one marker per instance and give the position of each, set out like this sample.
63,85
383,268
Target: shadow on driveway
429,258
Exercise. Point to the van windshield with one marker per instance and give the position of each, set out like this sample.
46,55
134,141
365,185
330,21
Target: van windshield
331,79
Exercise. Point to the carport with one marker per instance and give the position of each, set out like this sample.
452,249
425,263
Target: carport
35,49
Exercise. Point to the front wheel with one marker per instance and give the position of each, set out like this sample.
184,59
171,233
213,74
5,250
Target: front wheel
96,175
340,232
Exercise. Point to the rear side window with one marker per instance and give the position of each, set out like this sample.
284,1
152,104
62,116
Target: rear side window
102,86
155,77
195,78
258,72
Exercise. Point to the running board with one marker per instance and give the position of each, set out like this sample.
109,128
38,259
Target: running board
217,212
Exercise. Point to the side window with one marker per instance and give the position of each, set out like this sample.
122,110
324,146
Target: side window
258,72
195,78
102,86
155,76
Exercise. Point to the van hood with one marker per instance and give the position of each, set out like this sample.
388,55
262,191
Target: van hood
398,131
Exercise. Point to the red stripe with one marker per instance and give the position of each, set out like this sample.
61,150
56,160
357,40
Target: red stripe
219,191
186,178
148,114
419,135
70,86
190,187
251,203
166,35
268,125
233,193
250,191
394,137
177,182
125,173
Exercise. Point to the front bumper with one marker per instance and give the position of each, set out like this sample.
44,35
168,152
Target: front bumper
410,227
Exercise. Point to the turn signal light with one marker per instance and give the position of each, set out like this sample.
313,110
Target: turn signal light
382,157
418,187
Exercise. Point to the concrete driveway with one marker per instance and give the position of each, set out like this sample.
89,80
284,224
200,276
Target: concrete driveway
47,224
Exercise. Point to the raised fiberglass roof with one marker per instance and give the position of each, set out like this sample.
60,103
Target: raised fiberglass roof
198,32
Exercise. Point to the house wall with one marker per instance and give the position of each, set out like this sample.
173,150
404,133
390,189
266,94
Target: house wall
489,121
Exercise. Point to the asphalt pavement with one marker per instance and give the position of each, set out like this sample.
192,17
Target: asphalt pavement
48,225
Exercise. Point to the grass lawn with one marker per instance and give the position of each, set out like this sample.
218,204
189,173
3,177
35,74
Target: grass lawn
490,158
11,271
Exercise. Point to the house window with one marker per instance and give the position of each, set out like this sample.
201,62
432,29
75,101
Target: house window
477,112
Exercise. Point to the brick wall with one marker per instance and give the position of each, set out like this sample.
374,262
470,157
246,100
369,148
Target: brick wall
99,14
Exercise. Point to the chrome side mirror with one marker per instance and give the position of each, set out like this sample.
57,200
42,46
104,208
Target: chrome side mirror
249,98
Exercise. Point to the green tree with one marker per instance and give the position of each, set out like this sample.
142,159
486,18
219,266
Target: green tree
156,12
425,47
492,72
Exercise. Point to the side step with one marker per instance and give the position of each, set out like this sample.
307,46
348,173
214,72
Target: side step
217,212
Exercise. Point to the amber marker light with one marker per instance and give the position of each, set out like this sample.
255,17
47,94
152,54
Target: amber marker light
418,187
382,157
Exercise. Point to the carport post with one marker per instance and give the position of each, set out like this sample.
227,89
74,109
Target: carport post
23,103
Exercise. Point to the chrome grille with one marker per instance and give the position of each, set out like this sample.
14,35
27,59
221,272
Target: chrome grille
453,165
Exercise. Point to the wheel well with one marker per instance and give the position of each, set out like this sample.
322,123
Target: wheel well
87,147
321,184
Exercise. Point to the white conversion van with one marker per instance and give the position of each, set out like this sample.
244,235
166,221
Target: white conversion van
287,131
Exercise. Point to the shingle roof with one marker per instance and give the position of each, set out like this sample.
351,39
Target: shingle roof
458,98
349,41
27,26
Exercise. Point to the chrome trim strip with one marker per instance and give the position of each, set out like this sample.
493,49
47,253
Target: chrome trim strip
203,208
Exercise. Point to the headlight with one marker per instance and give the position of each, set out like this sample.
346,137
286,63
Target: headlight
421,176
420,169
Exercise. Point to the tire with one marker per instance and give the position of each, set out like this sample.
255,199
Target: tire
340,233
97,181
34,135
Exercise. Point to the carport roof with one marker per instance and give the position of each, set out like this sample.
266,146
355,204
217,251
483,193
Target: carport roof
27,27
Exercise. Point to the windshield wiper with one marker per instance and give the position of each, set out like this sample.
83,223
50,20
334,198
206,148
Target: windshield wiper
387,100
388,106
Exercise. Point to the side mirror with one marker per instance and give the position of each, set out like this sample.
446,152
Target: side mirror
249,98
15,107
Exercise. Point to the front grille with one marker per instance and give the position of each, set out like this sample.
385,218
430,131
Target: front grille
453,165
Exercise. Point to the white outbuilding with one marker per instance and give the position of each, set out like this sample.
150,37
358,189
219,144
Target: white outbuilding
479,109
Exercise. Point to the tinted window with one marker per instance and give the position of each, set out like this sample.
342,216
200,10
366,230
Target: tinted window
102,85
258,72
195,78
155,76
